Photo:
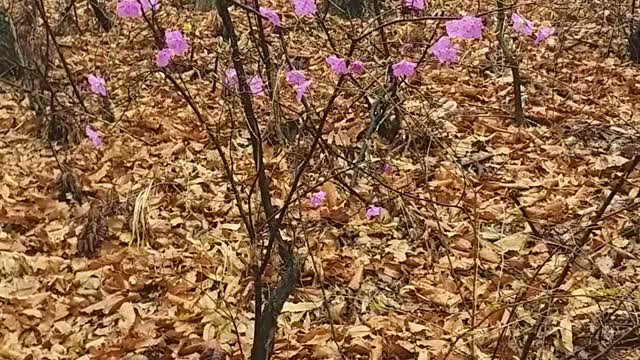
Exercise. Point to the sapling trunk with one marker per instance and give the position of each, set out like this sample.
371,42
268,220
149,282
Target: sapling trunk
518,115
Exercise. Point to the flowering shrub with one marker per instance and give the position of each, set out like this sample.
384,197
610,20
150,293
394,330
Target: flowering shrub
445,51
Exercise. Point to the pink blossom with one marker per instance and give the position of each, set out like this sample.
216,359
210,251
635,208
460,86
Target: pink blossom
543,34
164,57
96,84
373,211
304,7
294,77
150,4
403,68
521,25
469,27
414,4
317,199
270,15
338,65
356,67
256,86
445,51
129,8
301,89
387,169
297,79
176,42
91,134
230,77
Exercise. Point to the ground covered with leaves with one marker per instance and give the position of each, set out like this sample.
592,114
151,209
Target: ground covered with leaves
478,217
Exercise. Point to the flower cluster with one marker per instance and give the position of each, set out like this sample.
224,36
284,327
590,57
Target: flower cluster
525,27
339,65
403,69
176,46
297,79
466,28
134,8
256,85
304,7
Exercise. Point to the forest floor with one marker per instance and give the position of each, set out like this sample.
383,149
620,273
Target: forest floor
452,267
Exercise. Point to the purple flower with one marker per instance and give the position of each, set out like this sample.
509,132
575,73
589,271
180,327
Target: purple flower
338,65
445,51
230,78
294,77
301,89
521,25
91,134
176,42
97,84
304,7
129,8
387,169
271,15
543,34
356,67
414,4
373,211
403,68
317,198
163,57
150,4
469,27
256,86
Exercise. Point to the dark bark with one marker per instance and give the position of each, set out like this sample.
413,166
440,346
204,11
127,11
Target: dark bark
101,15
